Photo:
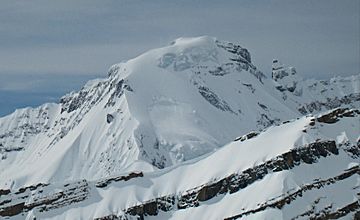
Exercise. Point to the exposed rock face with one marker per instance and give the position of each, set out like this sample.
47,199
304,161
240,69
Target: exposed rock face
109,118
279,71
242,58
214,100
106,182
333,116
243,53
47,198
285,76
247,136
330,103
323,214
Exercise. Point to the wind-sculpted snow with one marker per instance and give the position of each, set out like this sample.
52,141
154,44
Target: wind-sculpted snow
161,109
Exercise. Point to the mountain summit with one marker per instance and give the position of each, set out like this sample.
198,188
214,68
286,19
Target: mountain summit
170,113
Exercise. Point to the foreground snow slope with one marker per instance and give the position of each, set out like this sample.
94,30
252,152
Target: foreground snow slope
166,106
306,168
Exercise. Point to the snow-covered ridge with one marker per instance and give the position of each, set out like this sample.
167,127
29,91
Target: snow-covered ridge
166,106
302,161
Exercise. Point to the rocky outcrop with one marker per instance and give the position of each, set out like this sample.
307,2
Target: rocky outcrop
344,211
243,53
242,58
47,198
289,197
285,76
109,118
330,103
119,88
107,181
194,197
335,115
214,100
247,136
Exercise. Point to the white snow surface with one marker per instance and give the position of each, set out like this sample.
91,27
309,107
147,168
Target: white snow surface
233,158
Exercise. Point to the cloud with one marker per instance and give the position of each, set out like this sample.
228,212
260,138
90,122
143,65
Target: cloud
26,89
40,82
19,85
79,60
84,37
88,36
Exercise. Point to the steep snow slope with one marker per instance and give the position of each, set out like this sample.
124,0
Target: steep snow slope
166,106
307,168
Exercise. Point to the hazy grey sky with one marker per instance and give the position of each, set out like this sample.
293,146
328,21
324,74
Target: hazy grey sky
48,48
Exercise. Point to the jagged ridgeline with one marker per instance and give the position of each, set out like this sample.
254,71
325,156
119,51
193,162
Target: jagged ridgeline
155,138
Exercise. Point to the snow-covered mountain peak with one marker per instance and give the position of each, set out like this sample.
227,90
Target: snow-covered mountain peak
166,106
178,108
185,53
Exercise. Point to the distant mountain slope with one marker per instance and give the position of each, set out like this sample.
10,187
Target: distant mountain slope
166,106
